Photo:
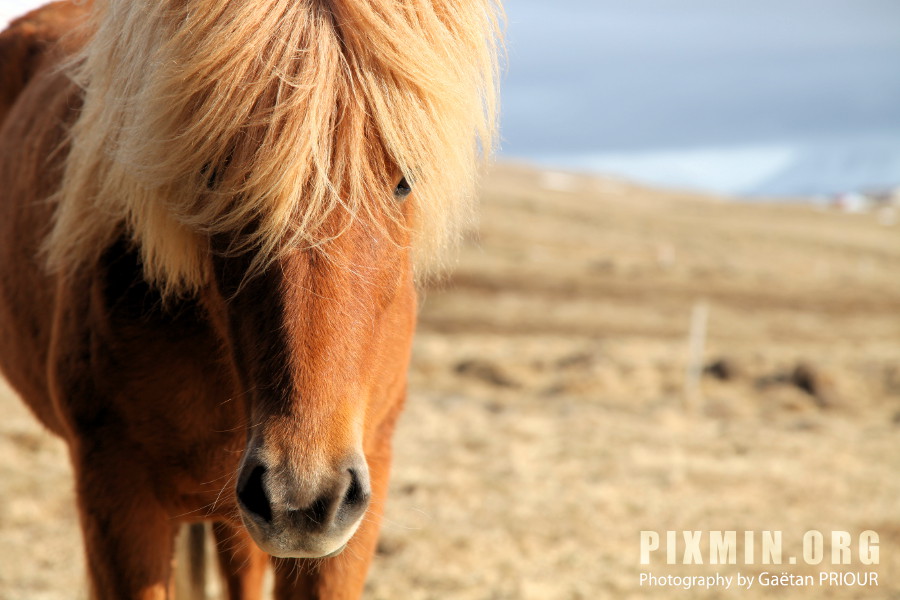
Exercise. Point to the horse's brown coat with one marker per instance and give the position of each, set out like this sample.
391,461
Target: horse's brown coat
159,395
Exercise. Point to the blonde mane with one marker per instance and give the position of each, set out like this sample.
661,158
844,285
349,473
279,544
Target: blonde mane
259,119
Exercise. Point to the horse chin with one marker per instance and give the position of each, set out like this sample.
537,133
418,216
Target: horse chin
336,552
291,545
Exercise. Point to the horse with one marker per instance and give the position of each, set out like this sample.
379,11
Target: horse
214,219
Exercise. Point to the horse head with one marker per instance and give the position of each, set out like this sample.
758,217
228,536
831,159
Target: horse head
319,343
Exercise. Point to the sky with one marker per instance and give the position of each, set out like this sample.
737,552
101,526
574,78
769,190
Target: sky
588,75
733,96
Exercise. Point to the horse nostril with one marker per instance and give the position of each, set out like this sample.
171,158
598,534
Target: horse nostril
355,494
253,495
338,508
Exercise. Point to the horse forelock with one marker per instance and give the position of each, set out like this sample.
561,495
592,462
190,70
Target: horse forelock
262,119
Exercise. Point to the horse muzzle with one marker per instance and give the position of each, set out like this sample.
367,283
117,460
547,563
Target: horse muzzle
293,516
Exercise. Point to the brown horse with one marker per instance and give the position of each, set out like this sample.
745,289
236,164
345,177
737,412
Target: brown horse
209,243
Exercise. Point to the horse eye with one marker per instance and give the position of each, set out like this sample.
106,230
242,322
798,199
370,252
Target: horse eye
402,190
214,174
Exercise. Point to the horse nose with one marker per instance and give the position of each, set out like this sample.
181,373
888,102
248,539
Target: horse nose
343,504
288,518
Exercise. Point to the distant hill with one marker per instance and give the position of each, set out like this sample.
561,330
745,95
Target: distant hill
802,169
833,169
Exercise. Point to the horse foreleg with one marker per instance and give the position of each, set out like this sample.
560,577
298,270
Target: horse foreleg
242,563
128,537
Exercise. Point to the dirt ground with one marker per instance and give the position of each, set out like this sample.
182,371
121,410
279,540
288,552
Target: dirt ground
551,419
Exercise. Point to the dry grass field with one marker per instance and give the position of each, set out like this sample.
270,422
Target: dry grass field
548,421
